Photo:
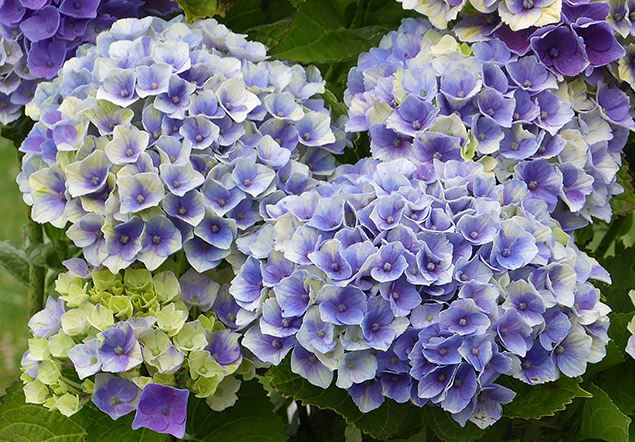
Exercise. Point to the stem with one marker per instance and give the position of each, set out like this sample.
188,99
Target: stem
609,237
37,274
35,233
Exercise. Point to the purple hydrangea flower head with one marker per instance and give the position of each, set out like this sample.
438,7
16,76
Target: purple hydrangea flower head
140,321
159,120
162,409
418,283
499,95
40,36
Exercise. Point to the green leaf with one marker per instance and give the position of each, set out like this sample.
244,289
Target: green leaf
536,401
618,331
51,254
389,14
352,434
251,419
614,356
422,436
17,131
53,233
389,420
22,422
14,260
253,13
448,430
337,107
204,8
621,267
318,34
602,419
624,203
263,21
617,383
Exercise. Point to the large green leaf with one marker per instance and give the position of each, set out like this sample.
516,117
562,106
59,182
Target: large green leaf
263,21
251,419
253,13
617,383
318,34
602,419
448,430
534,402
14,260
389,420
22,422
622,268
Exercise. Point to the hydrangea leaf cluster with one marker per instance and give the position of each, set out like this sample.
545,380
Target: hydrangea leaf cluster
422,283
166,136
421,94
132,342
38,36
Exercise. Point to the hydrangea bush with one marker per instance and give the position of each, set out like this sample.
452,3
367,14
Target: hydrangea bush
423,284
38,36
165,137
137,342
422,94
216,264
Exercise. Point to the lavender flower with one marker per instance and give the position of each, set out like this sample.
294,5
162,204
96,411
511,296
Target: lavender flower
115,396
162,409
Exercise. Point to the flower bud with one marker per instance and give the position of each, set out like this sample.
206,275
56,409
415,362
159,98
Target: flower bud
59,344
166,286
191,337
171,320
68,404
35,392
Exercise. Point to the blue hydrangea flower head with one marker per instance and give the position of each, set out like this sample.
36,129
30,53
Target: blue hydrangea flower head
38,36
421,282
138,342
165,136
553,109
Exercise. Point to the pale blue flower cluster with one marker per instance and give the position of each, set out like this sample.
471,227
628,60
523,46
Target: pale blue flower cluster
424,283
166,136
423,95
